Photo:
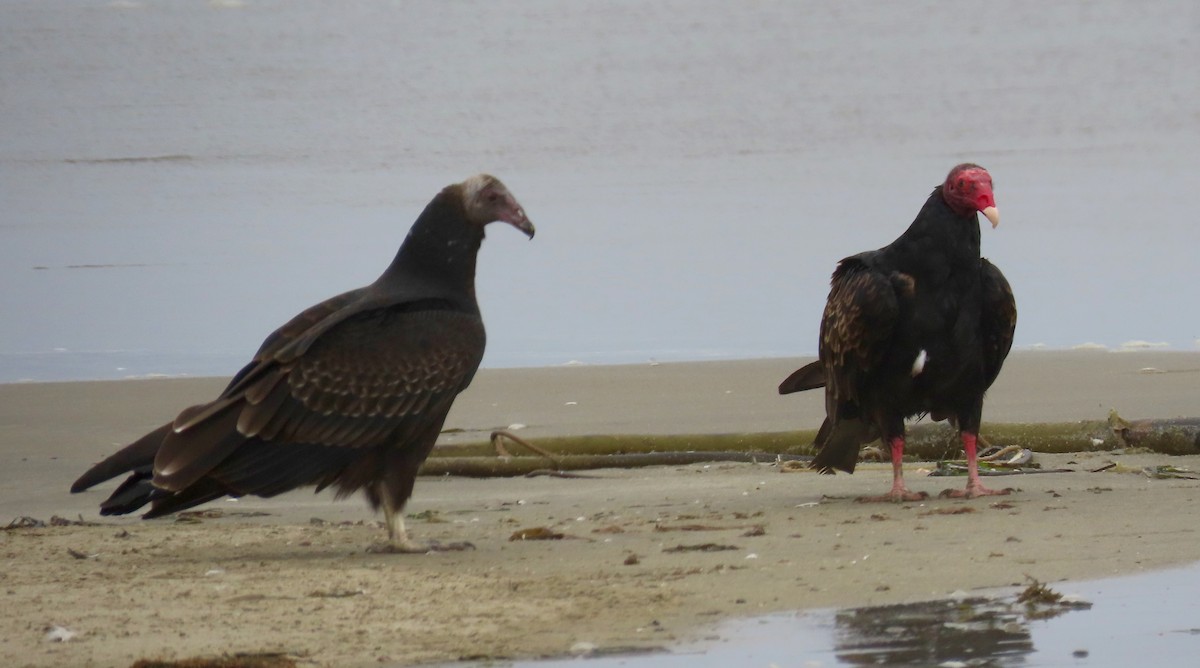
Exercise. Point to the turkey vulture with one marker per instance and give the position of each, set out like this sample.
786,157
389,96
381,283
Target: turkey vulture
919,326
351,393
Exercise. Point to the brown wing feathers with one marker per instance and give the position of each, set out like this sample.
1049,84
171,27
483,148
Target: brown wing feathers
859,315
321,432
347,393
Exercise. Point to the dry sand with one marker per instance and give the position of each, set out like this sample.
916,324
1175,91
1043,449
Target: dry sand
265,576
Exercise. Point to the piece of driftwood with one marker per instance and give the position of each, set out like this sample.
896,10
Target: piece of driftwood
1176,436
926,441
507,467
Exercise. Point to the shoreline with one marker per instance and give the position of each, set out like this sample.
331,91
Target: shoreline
233,361
290,574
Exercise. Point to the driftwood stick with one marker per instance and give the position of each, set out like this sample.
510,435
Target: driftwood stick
494,467
926,441
500,434
1176,436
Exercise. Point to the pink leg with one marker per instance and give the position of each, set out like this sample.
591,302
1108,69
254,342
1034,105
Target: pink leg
899,492
974,488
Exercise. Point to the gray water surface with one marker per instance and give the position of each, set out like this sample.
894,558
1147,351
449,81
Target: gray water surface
1145,619
180,178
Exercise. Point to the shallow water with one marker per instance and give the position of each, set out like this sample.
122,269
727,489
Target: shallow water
1150,617
179,178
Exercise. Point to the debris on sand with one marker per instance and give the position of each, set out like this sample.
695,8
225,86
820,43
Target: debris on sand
703,547
26,522
1042,602
536,533
337,593
240,660
192,516
56,521
1159,472
1038,594
56,633
428,516
663,528
956,510
611,528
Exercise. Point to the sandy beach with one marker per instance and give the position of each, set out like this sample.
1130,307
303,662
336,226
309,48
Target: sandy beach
290,574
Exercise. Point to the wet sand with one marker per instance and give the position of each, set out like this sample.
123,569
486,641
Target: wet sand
290,574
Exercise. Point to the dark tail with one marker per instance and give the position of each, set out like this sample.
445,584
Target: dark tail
135,456
837,445
808,377
132,494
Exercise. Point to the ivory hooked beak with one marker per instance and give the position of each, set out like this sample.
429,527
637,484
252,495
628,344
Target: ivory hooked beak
992,215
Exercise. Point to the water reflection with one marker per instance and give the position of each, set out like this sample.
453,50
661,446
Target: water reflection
976,631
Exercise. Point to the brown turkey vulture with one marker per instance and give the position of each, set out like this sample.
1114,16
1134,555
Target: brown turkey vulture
351,393
919,326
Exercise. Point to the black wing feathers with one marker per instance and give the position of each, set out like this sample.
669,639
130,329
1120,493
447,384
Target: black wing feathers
998,322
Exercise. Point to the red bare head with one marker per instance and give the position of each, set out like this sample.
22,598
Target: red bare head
968,189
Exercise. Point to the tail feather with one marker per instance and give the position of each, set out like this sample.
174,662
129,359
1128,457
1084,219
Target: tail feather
808,377
201,491
186,457
136,456
839,449
257,468
134,493
268,469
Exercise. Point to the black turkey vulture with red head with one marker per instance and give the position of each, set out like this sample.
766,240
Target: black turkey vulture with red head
350,394
920,326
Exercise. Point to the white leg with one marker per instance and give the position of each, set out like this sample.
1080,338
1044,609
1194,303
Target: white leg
398,540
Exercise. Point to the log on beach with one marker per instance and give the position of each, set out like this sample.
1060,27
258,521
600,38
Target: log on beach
1178,436
935,441
504,467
